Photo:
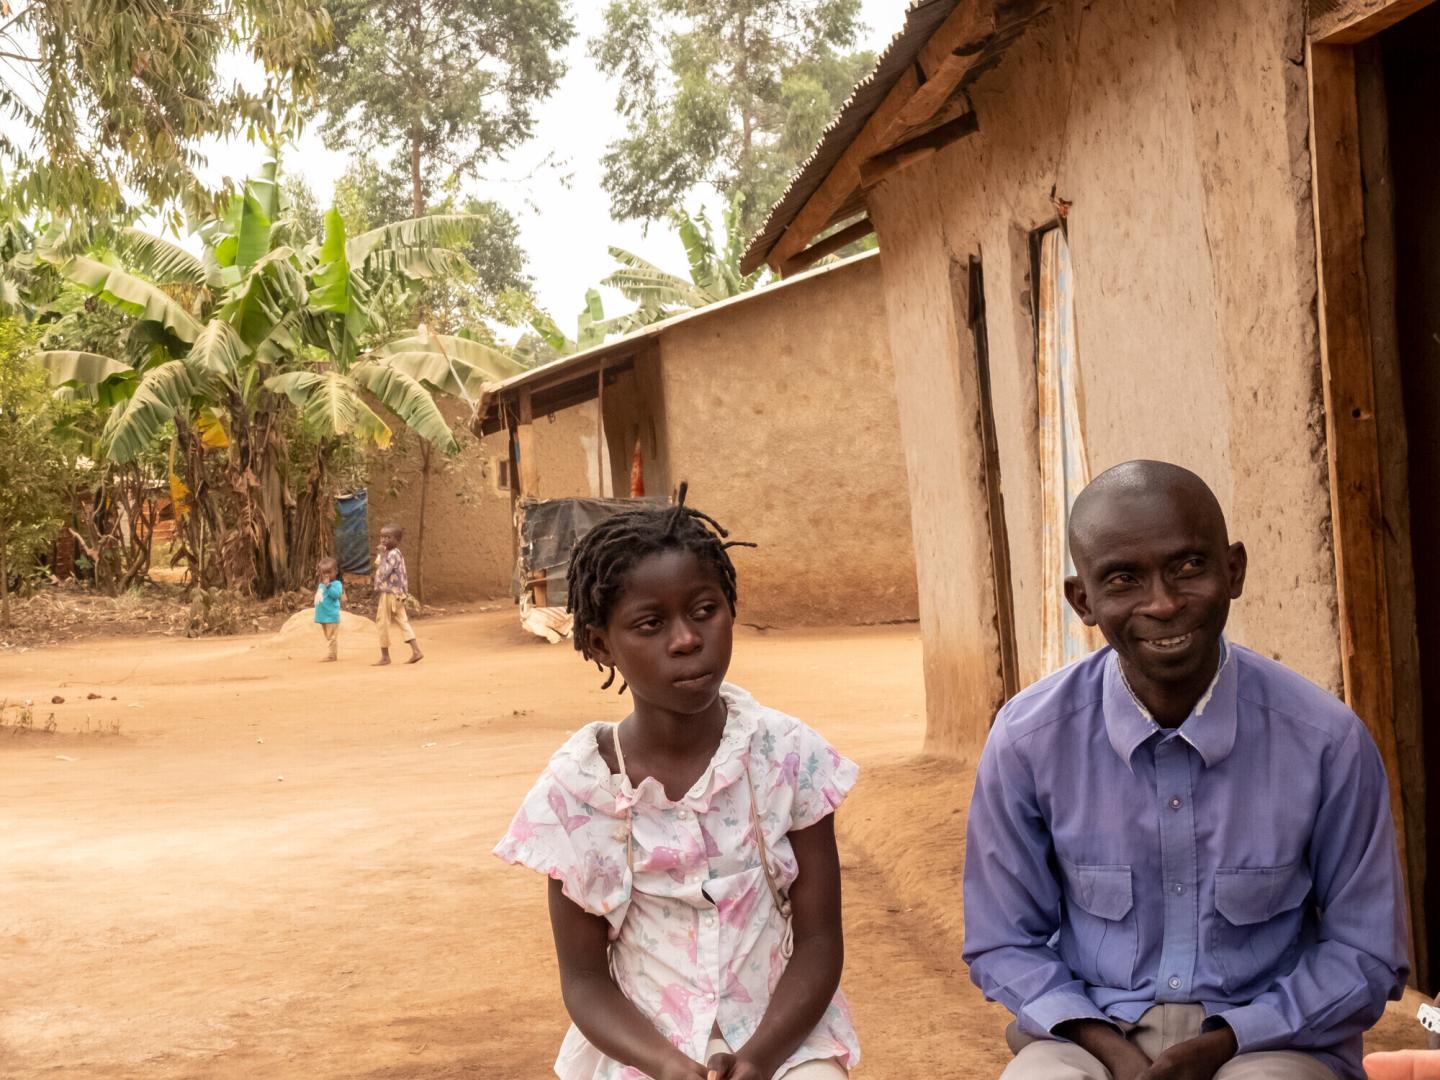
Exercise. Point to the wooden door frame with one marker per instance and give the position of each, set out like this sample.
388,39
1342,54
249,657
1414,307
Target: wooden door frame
1348,382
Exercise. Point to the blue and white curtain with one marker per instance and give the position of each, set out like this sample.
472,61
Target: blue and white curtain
1064,466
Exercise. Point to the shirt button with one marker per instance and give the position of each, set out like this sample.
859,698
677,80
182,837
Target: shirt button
683,815
710,997
1174,982
1179,890
1175,803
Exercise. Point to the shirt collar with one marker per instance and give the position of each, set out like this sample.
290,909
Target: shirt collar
1210,727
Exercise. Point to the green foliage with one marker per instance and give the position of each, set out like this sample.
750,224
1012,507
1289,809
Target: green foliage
112,97
733,94
32,469
493,287
212,363
439,83
714,270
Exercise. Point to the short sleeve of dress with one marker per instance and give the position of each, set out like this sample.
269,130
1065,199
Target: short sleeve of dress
557,834
822,777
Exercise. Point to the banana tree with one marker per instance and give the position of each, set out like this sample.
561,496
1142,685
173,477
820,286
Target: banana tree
714,268
237,335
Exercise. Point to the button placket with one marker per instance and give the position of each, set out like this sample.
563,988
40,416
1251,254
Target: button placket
1181,915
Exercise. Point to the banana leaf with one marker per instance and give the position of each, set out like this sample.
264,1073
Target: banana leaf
407,399
156,257
330,403
134,424
132,295
90,376
430,231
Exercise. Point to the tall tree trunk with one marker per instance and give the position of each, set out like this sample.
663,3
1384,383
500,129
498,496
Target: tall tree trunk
417,192
426,453
747,103
4,582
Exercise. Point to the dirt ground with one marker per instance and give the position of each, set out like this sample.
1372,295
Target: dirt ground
278,868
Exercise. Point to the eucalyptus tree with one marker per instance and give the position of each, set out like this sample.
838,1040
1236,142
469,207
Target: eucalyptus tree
225,344
105,101
440,83
729,93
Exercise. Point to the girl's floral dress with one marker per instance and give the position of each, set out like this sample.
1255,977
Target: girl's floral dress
695,936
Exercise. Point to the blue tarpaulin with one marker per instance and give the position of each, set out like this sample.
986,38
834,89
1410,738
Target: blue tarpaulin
352,534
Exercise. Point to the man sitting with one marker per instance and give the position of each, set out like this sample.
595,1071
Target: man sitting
1180,859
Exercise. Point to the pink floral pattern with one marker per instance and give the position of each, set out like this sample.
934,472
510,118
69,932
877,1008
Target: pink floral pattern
695,935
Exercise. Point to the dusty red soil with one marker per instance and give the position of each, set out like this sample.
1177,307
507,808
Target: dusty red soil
280,868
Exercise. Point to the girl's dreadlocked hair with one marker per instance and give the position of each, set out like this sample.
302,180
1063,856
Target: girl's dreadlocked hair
604,555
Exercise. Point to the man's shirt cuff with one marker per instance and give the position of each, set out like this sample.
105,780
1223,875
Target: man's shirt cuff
1256,1026
1040,1018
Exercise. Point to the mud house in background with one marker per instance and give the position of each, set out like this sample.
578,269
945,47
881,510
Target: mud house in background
1204,232
778,407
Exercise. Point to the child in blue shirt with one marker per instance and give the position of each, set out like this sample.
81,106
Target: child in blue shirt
327,604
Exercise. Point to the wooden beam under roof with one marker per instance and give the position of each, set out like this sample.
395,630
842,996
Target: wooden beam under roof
1348,22
950,54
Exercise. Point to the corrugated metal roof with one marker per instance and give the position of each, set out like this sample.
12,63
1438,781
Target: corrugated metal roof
582,364
921,21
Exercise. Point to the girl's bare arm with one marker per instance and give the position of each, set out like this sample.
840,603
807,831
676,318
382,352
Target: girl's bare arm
813,974
604,1015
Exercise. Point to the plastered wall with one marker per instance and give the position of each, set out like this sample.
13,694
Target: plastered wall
780,412
1178,134
467,535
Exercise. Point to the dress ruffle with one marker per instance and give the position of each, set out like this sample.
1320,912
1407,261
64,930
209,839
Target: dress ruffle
579,768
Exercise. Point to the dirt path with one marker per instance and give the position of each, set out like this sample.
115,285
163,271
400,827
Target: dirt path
171,907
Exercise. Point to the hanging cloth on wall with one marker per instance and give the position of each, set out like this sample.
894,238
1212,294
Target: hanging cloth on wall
1064,466
352,534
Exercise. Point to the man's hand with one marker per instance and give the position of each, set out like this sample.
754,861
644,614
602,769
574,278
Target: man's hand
1199,1058
1105,1043
1404,1065
731,1067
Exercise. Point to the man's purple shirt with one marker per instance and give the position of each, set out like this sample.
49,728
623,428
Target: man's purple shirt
1245,860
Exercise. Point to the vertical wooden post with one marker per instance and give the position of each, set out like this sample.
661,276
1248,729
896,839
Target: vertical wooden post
1348,381
600,431
512,444
530,480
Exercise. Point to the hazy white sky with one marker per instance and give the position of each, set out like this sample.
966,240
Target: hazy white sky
565,228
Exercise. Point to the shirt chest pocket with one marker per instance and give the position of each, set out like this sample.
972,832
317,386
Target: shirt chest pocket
1098,935
1259,918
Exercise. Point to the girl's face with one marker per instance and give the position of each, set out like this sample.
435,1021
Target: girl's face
327,573
670,633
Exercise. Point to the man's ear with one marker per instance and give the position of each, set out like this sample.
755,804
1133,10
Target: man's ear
1238,562
1079,599
598,647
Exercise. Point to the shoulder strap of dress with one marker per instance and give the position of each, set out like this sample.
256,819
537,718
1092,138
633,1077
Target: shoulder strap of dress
782,902
619,754
630,811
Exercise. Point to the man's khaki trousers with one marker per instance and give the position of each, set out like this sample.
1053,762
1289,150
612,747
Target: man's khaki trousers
1159,1029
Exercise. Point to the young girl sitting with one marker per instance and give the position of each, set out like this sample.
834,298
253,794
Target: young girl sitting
695,892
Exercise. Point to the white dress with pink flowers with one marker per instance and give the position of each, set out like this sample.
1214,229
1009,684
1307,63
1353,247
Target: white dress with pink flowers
695,937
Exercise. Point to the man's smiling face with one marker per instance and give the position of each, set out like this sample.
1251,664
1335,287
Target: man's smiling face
1156,573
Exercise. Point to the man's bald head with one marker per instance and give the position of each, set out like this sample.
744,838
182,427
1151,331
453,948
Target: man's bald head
1130,484
1155,571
